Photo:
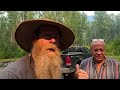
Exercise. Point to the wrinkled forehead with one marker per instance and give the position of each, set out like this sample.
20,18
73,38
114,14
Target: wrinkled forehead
97,43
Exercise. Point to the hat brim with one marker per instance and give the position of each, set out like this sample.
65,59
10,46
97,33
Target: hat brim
24,31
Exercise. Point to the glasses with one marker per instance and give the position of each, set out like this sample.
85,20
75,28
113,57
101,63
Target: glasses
102,40
49,36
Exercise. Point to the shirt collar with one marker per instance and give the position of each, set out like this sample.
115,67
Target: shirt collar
105,62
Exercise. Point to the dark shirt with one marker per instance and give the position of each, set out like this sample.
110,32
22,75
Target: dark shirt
110,69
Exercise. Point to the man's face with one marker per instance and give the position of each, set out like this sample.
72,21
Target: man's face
49,36
46,54
98,51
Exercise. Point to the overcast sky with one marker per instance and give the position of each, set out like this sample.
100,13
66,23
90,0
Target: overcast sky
89,13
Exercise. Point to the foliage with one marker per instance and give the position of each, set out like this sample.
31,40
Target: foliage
116,47
113,48
106,26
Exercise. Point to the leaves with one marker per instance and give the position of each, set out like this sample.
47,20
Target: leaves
106,26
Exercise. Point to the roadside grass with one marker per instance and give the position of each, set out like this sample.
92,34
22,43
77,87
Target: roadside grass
8,60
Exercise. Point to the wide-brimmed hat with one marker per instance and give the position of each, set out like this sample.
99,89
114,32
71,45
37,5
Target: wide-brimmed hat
24,31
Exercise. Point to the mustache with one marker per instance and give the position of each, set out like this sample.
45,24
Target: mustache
51,47
37,48
47,65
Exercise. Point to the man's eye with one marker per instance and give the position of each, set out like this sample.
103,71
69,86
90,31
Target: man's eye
47,36
96,50
101,50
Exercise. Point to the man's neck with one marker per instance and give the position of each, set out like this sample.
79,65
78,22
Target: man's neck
99,64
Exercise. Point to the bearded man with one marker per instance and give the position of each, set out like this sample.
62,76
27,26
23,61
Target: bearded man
43,40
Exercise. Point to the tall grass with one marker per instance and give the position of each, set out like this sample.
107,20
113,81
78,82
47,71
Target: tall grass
8,60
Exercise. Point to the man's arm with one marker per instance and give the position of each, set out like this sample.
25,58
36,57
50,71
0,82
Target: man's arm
7,75
119,70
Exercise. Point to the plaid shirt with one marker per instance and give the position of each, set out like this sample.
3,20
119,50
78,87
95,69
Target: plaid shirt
110,69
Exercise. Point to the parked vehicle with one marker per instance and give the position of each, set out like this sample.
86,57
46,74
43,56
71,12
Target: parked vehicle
72,56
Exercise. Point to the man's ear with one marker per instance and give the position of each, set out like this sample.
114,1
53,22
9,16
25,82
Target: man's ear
33,42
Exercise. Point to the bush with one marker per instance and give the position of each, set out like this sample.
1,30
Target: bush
113,48
11,52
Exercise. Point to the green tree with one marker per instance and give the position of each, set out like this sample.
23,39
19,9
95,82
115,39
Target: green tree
101,25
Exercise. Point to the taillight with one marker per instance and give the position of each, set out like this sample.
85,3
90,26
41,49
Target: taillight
68,61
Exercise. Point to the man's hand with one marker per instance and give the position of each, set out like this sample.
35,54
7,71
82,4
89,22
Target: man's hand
81,74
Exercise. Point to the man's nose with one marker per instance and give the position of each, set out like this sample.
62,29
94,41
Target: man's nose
99,52
52,40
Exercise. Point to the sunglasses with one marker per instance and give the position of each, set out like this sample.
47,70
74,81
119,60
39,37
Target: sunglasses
102,40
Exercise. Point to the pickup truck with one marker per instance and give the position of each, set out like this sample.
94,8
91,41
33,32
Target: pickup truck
72,56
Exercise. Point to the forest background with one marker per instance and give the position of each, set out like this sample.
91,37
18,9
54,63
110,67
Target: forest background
102,25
